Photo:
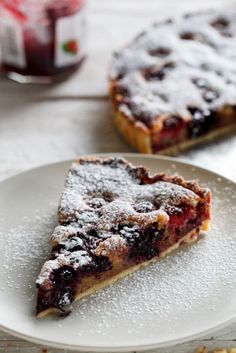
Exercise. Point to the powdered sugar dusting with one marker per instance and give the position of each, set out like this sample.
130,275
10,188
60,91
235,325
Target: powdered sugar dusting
195,47
23,252
102,195
78,258
99,196
197,281
179,282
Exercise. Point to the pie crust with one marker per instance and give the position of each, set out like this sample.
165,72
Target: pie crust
115,218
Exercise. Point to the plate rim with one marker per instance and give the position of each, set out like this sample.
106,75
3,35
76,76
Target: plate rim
120,348
125,155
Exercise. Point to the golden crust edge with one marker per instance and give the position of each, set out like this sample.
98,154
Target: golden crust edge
136,135
187,239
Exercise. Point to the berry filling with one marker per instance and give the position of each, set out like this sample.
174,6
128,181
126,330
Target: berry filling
65,281
143,244
175,129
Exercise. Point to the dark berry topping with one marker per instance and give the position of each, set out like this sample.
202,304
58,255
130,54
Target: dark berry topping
64,298
220,24
160,52
102,264
56,250
200,82
141,114
154,74
57,299
122,94
198,114
193,36
143,243
210,96
100,200
188,35
63,275
93,233
121,74
158,73
122,90
44,302
202,121
108,196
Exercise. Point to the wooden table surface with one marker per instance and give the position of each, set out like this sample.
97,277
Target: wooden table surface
43,124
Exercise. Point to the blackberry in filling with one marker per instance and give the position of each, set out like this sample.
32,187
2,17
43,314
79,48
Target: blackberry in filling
209,94
143,244
63,275
148,242
102,264
202,122
65,282
63,292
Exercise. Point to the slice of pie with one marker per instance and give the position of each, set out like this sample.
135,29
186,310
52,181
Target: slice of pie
174,85
115,218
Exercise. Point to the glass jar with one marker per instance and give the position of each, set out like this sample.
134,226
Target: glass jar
42,40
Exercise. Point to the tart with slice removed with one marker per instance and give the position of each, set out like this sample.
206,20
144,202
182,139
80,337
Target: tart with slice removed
174,85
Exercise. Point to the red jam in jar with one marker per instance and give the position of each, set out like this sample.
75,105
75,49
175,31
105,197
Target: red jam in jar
42,40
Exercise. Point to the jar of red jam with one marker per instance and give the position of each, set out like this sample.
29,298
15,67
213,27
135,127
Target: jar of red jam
42,40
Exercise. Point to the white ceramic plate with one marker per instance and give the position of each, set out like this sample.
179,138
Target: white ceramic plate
188,294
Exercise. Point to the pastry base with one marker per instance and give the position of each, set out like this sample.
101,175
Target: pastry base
187,239
139,137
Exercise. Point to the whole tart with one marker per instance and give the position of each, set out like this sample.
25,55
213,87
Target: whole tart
114,219
174,85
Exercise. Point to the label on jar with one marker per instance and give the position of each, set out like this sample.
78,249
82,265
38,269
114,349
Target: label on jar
70,41
12,43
